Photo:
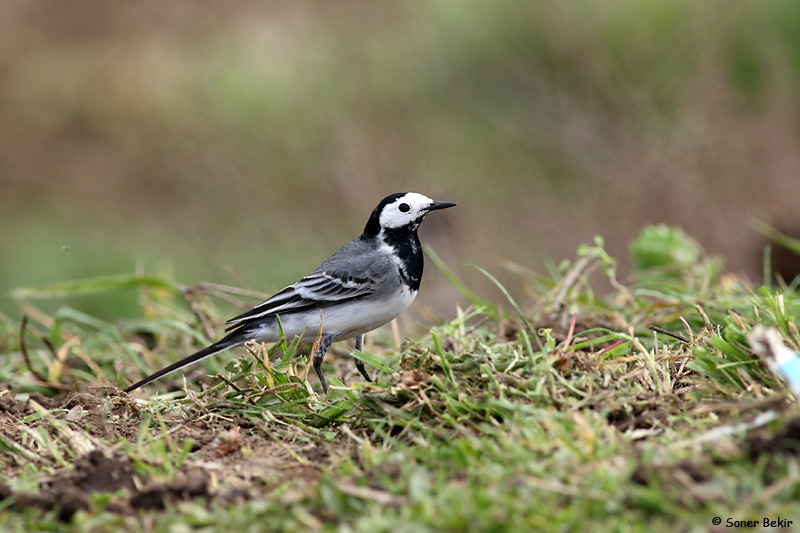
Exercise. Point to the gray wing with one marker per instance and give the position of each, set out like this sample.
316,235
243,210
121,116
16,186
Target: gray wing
355,271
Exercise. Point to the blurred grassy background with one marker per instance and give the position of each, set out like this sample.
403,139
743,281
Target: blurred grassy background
242,143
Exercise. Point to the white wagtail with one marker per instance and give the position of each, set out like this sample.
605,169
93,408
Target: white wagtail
367,283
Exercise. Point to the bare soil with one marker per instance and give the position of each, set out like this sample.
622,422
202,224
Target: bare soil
231,458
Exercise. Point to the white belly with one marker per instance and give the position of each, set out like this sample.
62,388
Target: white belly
342,321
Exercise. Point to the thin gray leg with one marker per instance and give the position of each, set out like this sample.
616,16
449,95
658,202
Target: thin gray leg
324,344
359,363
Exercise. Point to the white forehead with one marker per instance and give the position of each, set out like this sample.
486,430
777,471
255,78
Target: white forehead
393,217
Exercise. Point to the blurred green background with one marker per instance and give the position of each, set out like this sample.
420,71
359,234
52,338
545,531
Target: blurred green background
241,143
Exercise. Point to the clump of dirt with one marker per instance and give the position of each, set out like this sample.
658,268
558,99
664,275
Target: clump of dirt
69,492
68,503
786,441
692,476
560,327
642,411
696,471
12,406
185,486
95,472
581,361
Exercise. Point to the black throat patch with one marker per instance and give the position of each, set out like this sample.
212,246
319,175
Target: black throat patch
405,243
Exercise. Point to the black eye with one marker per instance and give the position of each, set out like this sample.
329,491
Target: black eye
404,208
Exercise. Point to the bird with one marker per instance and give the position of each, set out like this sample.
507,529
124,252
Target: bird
367,283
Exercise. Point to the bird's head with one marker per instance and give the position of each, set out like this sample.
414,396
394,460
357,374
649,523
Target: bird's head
402,210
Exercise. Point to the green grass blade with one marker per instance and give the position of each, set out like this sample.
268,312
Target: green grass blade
372,361
471,297
782,239
508,296
65,289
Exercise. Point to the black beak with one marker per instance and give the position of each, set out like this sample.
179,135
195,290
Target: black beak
441,205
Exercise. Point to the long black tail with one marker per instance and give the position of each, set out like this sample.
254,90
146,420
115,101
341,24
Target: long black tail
230,341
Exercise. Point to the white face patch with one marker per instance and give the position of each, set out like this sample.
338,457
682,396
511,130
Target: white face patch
411,207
